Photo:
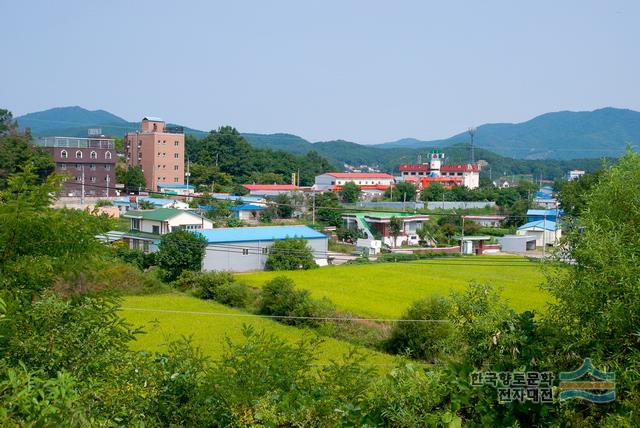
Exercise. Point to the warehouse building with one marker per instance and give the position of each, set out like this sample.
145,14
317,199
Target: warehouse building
245,249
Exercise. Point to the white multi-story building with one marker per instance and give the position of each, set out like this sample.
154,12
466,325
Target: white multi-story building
333,181
148,226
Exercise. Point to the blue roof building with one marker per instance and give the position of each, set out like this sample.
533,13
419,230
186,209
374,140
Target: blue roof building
244,249
534,215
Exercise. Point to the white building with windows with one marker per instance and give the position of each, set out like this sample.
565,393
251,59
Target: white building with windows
148,226
244,249
333,181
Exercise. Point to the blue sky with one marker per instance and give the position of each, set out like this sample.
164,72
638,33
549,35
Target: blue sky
364,71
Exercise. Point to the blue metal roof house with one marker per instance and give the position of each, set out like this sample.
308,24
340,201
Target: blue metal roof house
245,249
551,215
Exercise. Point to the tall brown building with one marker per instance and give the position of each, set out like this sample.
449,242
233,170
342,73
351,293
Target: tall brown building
90,161
158,150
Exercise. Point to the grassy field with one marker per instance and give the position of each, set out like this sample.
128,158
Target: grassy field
386,289
194,317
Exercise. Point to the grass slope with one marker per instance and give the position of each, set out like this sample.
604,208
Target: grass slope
385,290
208,331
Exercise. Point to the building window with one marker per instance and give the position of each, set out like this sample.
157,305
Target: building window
176,167
93,179
107,167
79,179
145,246
164,166
245,251
164,142
135,223
175,180
176,155
63,166
135,244
164,155
93,155
156,229
77,166
93,166
64,154
177,143
78,154
107,155
265,250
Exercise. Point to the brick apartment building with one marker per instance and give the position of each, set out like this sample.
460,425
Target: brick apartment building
90,161
158,150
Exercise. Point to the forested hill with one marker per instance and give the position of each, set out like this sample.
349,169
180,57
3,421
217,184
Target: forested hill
559,135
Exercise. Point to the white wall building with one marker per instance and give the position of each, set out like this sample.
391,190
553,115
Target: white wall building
148,226
332,181
245,249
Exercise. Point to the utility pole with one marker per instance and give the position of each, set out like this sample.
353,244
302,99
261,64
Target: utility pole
188,174
82,192
462,235
544,235
313,208
107,185
472,132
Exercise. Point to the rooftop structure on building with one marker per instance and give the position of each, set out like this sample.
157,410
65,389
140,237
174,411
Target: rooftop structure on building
435,171
158,150
89,164
574,174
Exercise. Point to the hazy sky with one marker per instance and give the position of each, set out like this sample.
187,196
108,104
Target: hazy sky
365,71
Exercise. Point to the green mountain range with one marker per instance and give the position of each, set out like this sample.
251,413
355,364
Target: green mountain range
525,148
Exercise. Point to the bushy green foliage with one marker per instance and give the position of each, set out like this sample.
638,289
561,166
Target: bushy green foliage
203,284
103,203
422,339
236,294
350,192
132,177
279,297
180,250
328,209
290,254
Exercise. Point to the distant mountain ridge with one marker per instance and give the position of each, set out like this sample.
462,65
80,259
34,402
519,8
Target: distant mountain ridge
559,135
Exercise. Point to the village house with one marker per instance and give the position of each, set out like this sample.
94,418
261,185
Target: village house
148,226
375,226
486,220
546,232
245,249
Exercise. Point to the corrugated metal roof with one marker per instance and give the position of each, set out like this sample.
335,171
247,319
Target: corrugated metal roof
539,224
158,214
248,207
253,234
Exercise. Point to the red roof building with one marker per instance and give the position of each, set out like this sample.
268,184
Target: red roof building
330,181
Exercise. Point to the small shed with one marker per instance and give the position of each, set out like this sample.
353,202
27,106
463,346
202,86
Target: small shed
517,243
473,244
546,232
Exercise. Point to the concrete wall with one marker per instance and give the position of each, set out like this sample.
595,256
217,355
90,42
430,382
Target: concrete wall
230,257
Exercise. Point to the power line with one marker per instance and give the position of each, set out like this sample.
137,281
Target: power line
292,317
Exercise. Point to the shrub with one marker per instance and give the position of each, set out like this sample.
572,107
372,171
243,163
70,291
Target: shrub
290,254
234,294
279,297
422,339
180,250
203,284
103,203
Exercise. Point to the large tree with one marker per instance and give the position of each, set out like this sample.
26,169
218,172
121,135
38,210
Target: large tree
290,254
350,192
180,251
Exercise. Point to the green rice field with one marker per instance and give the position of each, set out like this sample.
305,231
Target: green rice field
385,290
167,317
